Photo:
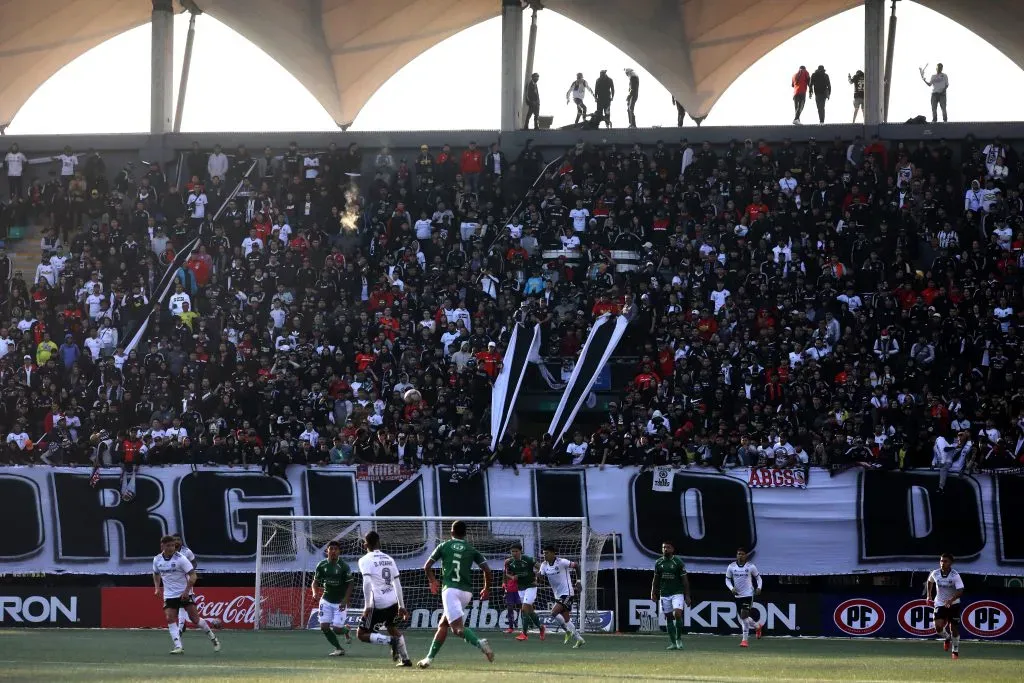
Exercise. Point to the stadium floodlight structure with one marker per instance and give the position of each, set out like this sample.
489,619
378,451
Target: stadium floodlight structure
289,548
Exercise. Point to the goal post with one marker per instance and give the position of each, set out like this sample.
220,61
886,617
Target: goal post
289,548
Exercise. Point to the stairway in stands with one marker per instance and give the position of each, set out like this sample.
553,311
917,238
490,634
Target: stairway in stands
24,252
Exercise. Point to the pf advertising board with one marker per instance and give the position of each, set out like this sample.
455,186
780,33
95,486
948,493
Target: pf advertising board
984,617
798,523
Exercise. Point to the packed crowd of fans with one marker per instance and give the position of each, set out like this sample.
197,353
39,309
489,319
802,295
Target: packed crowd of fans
835,302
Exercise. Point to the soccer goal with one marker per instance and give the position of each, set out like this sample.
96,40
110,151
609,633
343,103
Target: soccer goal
289,549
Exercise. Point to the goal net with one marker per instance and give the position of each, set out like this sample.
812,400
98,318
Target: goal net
289,549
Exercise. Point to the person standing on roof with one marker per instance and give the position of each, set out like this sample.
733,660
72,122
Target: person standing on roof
940,84
857,81
821,88
631,97
801,81
578,90
533,102
604,93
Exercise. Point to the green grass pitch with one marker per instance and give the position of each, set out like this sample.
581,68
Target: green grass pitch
95,655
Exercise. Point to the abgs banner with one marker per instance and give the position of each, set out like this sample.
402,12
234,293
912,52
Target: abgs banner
866,521
904,615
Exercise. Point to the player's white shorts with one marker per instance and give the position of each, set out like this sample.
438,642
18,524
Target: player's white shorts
528,596
670,603
455,602
332,613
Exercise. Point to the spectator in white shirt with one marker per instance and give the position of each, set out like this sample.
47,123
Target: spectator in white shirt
6,343
939,83
196,204
59,260
577,450
579,217
283,230
787,184
250,241
15,162
68,164
93,302
217,165
569,240
93,344
719,296
424,227
311,164
176,301
46,271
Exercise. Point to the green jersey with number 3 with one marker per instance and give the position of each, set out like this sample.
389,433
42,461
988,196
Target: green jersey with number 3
457,558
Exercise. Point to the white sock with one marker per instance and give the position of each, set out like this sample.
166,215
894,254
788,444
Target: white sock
745,627
403,653
206,628
956,643
182,616
567,625
380,639
751,623
175,633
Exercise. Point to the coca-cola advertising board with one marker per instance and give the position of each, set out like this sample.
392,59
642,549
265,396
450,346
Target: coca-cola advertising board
140,608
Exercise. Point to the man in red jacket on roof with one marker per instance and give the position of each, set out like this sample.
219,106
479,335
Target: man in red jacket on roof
801,79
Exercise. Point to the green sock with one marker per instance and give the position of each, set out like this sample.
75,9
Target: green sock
470,637
435,647
670,626
332,639
534,621
345,630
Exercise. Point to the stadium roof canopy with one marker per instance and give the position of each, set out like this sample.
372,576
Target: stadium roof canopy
344,50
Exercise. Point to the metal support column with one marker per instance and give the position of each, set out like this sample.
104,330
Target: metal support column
162,68
874,59
185,67
511,63
890,50
531,50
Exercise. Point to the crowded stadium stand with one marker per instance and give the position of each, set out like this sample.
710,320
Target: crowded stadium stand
793,302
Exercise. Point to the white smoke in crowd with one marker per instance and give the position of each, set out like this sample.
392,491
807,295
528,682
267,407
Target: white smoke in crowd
350,217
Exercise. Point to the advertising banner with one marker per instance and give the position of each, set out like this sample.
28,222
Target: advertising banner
140,607
479,615
234,608
49,607
856,521
905,615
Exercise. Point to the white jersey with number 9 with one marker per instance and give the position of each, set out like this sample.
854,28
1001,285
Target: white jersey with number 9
382,572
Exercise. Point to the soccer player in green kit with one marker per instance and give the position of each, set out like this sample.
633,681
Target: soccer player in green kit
673,587
457,558
524,568
332,587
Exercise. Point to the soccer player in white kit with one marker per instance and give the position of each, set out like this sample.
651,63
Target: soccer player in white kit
744,582
177,575
180,546
556,570
945,587
383,601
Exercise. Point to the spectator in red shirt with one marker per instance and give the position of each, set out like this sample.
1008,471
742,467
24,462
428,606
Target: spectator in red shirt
472,165
801,79
489,360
